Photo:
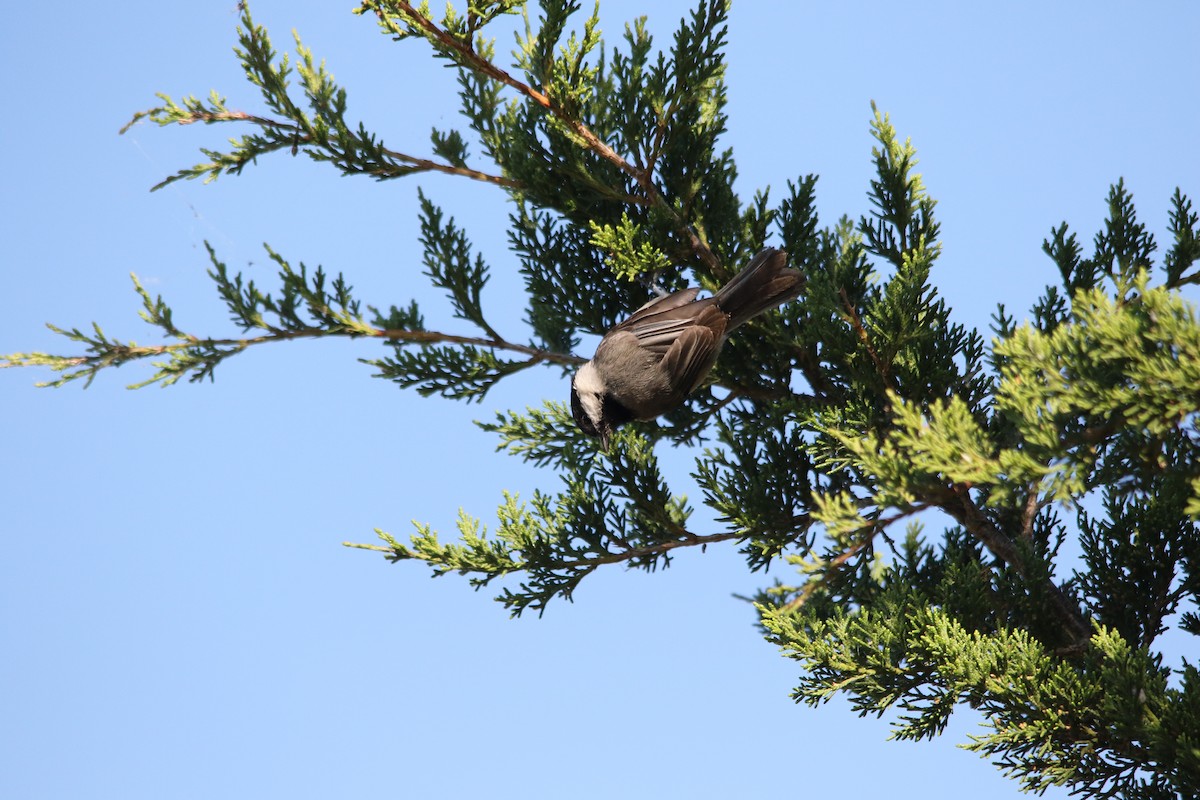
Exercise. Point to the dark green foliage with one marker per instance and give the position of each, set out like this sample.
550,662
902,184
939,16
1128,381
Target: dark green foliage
460,372
1137,546
827,423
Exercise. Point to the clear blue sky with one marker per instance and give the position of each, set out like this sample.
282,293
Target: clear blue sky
177,616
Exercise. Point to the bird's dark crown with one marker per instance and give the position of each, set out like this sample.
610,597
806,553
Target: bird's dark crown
581,418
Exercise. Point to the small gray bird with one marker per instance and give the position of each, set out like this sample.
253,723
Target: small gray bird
646,365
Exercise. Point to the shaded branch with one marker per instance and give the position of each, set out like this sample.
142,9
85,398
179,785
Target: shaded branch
290,135
872,528
643,177
590,563
956,502
865,339
117,353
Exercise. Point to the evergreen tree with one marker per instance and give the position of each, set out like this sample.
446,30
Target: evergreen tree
826,424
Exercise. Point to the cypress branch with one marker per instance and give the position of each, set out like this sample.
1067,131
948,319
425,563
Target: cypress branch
859,406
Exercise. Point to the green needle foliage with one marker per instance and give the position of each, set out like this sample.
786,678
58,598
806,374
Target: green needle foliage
826,424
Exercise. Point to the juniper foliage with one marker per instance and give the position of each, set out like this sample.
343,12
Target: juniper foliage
826,425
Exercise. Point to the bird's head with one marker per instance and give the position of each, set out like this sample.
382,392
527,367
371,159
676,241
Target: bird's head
590,405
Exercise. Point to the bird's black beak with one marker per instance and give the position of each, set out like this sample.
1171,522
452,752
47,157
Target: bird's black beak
605,439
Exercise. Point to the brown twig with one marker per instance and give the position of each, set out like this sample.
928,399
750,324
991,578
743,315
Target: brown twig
1029,514
425,165
690,540
734,394
434,337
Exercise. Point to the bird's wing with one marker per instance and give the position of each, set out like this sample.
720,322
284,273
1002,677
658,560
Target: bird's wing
660,304
690,357
658,334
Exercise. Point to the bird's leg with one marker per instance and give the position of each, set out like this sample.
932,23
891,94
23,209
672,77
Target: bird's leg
650,280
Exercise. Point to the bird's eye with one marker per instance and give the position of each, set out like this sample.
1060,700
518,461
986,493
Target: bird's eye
586,425
581,418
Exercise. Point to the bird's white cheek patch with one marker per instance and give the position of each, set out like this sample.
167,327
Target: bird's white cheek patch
591,391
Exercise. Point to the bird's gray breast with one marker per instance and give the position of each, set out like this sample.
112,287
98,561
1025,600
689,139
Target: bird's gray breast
634,377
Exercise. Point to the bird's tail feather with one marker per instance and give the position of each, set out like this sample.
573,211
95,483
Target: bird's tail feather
764,284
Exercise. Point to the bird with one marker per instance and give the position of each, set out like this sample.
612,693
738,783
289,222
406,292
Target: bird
649,363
